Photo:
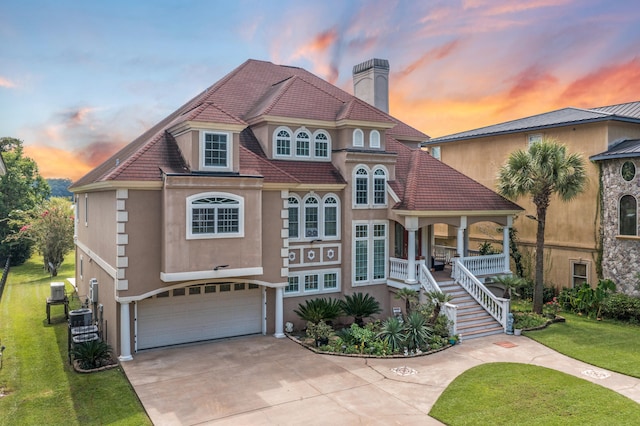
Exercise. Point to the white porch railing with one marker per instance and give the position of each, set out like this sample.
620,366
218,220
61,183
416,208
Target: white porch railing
483,265
429,284
399,268
496,306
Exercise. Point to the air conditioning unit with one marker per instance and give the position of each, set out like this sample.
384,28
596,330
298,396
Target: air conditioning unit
57,291
93,290
80,317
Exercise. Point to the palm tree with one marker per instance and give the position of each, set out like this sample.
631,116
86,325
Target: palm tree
410,297
360,306
439,299
543,170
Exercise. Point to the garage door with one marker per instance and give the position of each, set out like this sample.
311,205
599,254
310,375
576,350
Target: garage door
203,312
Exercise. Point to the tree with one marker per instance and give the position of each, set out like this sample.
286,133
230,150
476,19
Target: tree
50,227
21,189
543,170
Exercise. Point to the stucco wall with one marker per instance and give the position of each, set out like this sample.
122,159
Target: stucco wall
621,254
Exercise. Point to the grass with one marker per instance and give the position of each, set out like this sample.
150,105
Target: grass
605,344
522,394
37,383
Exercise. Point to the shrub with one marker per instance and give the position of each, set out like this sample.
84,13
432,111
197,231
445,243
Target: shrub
318,331
393,334
92,354
418,333
360,306
587,300
527,320
622,307
316,310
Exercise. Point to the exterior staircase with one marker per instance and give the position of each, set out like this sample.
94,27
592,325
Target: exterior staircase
472,319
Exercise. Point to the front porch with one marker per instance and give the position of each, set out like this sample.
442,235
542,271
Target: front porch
474,310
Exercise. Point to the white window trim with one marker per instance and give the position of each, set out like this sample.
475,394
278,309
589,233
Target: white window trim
300,208
321,290
291,142
354,140
315,134
533,138
229,166
436,152
370,252
338,224
572,263
86,209
373,143
618,217
190,199
310,141
304,217
370,187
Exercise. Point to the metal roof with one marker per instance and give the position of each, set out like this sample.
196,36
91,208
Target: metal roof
623,149
562,117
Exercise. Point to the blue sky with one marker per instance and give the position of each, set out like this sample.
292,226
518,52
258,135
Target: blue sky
79,80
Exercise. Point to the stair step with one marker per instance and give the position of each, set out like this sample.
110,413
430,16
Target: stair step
482,333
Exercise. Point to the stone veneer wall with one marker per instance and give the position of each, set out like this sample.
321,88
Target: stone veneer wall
621,256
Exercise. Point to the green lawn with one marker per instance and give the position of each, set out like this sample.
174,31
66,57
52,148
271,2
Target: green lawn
37,382
611,345
523,394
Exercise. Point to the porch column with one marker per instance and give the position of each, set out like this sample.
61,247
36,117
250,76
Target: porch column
125,333
411,224
505,243
279,313
460,237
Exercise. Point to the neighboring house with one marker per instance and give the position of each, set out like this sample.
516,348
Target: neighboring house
573,229
620,171
269,188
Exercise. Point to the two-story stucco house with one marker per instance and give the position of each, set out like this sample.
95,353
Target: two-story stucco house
270,187
573,233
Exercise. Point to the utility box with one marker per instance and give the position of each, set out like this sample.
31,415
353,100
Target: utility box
57,291
93,290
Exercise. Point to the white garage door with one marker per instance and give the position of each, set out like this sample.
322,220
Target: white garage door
203,312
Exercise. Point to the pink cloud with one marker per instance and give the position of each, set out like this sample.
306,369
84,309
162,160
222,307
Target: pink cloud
6,83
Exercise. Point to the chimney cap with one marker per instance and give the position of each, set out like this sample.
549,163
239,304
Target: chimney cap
371,63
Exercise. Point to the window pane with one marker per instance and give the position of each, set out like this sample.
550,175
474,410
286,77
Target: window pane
330,221
628,216
322,145
302,144
203,221
374,139
293,286
310,282
330,281
358,138
228,220
378,259
215,150
361,266
362,190
311,217
293,222
283,143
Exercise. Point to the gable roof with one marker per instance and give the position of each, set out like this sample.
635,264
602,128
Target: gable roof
627,148
428,184
629,112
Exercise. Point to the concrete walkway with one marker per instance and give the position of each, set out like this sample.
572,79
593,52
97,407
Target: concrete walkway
260,380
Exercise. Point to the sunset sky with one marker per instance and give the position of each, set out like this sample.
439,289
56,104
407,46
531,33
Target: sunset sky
78,80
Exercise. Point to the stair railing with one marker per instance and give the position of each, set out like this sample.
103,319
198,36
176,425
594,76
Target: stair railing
429,284
497,307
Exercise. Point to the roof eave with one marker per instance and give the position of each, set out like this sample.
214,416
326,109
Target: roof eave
456,213
117,184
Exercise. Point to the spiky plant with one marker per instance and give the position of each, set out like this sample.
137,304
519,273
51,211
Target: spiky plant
393,333
409,296
316,310
360,306
439,299
92,354
418,331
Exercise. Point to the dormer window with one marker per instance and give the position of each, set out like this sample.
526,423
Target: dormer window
302,144
215,151
374,139
358,138
283,143
370,187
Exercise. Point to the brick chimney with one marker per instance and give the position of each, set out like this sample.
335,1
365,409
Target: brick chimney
371,83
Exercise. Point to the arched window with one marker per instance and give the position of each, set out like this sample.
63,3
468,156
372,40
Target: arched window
302,144
321,145
374,139
283,142
215,215
330,216
628,215
358,138
362,187
294,217
311,216
379,187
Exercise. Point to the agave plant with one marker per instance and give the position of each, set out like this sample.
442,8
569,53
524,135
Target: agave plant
360,306
417,331
92,354
393,333
316,310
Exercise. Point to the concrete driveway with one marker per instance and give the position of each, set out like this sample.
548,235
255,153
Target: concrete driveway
260,380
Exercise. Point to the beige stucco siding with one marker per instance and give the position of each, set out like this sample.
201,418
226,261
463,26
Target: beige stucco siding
188,255
272,237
